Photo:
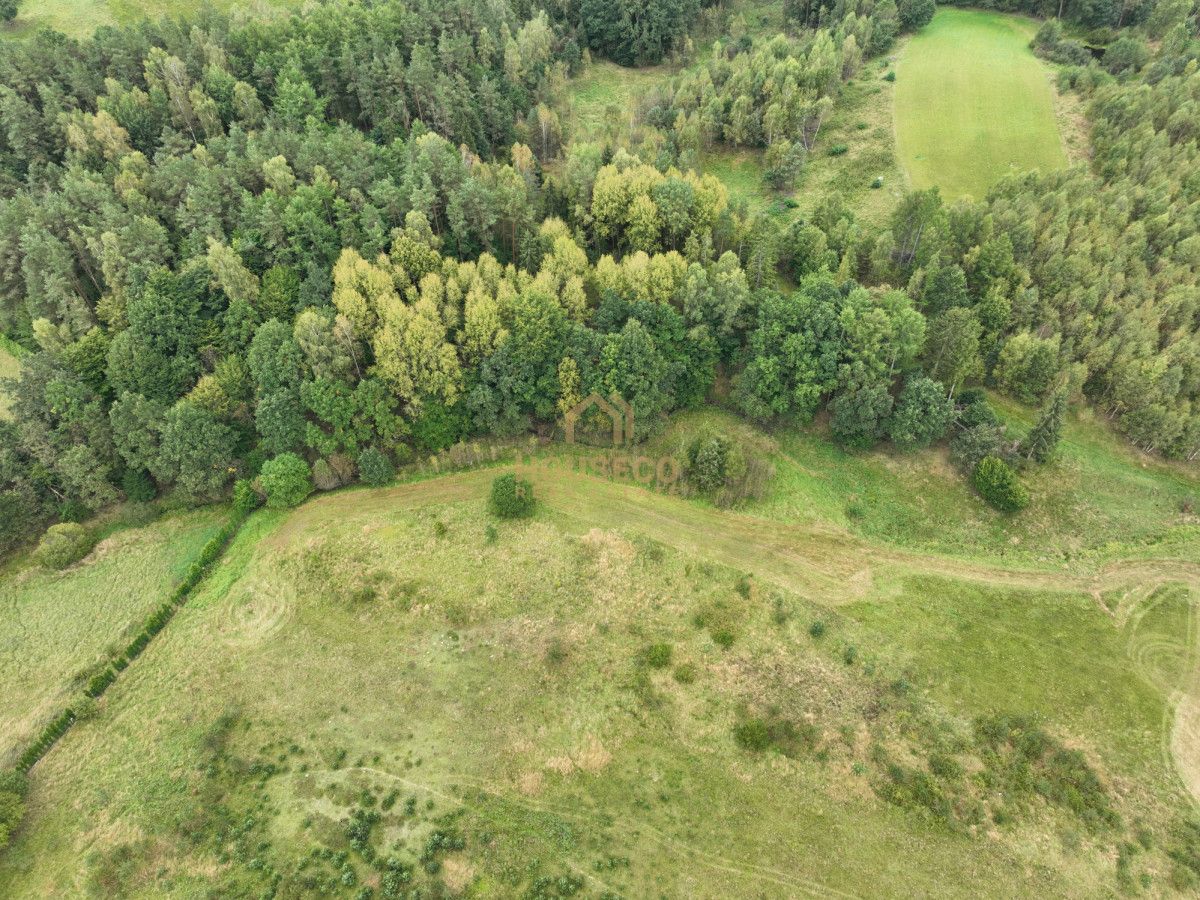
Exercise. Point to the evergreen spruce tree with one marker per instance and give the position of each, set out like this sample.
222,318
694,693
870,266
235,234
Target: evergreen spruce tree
1040,443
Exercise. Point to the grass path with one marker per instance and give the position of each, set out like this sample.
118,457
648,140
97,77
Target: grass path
973,104
824,562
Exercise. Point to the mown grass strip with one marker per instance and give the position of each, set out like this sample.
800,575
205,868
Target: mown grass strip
155,623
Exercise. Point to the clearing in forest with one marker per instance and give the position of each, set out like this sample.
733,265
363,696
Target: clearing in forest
8,369
973,104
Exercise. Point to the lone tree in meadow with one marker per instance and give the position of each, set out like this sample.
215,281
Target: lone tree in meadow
512,497
8,10
1042,440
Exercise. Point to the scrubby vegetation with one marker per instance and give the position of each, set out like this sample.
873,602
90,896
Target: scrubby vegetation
908,590
512,497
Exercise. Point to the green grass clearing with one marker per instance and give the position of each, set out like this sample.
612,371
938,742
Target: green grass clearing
9,367
973,104
376,644
56,626
79,18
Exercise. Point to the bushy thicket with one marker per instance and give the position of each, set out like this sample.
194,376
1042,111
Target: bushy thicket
63,544
511,497
999,485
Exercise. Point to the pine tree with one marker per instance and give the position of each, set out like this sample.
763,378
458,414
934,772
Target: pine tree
1042,439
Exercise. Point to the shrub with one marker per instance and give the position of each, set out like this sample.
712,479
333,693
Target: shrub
286,480
998,484
99,683
73,511
440,426
877,183
778,733
490,534
245,498
375,468
323,476
838,150
12,804
753,734
512,497
138,486
707,459
685,673
817,629
657,656
890,76
63,544
723,637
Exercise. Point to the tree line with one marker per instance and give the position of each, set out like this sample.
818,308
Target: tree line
227,243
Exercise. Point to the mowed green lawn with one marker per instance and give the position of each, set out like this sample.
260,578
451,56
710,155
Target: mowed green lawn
79,18
973,104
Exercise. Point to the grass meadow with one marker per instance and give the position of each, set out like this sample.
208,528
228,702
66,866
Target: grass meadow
57,626
79,18
640,694
9,366
973,104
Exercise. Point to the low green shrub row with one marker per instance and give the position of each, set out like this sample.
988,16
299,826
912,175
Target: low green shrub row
51,733
158,619
155,623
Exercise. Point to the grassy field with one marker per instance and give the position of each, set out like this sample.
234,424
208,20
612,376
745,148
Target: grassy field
79,18
9,366
56,625
389,687
973,103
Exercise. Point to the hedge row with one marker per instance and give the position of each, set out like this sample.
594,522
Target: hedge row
45,741
157,620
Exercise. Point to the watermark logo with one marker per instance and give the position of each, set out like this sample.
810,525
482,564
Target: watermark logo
615,463
662,472
618,411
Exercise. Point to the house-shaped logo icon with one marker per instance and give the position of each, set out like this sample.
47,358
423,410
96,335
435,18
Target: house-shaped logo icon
620,412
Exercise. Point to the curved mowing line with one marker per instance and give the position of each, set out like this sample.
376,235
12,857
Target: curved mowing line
973,104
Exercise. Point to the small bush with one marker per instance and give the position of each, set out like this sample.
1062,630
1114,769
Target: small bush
138,486
375,468
776,733
850,654
491,533
245,498
817,630
685,673
324,478
73,511
877,183
890,76
512,497
99,683
63,544
286,480
838,150
657,656
753,735
723,637
998,484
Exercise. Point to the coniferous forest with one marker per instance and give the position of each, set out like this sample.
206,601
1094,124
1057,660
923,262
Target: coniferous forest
368,227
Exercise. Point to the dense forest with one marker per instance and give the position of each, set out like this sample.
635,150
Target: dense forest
368,229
